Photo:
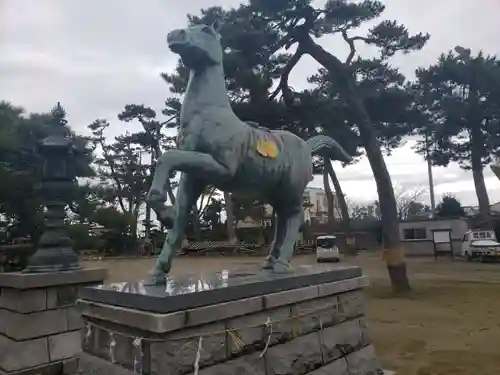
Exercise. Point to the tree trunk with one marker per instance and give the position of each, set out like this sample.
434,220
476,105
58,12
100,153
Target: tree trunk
135,218
344,210
148,207
231,233
478,176
196,225
329,196
393,253
148,222
475,119
482,195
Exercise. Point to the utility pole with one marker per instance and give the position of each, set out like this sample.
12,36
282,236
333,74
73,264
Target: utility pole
153,129
429,172
147,220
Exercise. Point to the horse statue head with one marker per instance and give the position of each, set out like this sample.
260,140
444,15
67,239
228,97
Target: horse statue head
199,46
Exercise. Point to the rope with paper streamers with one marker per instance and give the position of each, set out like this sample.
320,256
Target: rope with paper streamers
137,343
269,326
233,333
112,345
198,356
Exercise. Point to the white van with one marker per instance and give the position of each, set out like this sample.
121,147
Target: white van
326,249
481,245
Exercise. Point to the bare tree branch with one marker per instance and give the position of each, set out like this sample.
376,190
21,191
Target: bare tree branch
363,38
167,121
111,165
283,84
405,199
349,41
297,34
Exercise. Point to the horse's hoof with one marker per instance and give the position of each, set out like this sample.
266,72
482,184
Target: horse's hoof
158,275
164,262
282,267
268,263
155,278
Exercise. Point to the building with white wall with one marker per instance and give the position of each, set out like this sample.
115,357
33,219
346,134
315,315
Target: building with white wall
417,238
474,210
316,209
318,205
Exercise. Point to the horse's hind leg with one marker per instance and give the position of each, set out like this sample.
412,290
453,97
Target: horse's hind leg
188,193
289,219
279,236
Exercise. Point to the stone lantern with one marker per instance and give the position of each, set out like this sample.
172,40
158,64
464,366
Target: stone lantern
55,248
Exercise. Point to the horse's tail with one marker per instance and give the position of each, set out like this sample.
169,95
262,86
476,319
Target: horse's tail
335,151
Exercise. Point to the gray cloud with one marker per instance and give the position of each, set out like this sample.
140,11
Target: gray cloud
409,171
93,56
96,56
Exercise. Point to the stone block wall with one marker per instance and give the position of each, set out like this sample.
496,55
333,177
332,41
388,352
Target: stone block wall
40,329
313,330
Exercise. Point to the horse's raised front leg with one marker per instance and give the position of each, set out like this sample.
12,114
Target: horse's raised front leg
199,165
196,167
188,193
289,220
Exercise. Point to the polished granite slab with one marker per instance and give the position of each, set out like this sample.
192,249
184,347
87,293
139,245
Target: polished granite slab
192,291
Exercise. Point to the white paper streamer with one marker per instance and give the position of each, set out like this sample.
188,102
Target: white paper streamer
269,326
198,357
138,355
88,333
112,345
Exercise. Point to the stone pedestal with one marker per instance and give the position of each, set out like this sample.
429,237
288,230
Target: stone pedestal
310,321
40,330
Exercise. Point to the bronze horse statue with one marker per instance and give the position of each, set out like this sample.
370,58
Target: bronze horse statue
216,148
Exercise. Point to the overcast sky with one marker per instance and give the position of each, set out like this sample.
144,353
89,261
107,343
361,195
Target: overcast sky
96,56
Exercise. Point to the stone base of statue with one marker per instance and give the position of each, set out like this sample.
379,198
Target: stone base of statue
309,321
40,330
